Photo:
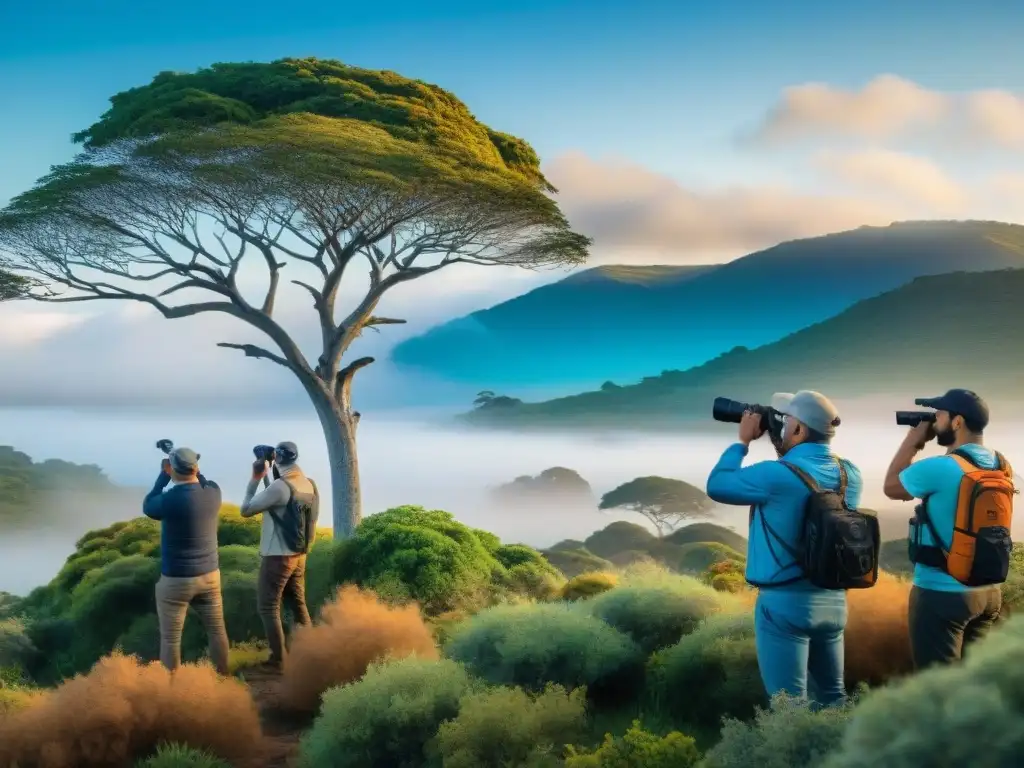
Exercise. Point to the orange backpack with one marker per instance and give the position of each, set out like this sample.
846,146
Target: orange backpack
979,553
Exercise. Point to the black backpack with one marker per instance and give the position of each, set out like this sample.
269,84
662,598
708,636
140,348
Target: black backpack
839,546
298,525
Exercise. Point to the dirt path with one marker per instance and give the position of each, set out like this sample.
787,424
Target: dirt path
282,733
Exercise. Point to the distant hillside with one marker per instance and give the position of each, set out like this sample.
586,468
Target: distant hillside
621,323
961,329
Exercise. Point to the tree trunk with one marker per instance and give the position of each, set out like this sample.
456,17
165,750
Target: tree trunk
339,425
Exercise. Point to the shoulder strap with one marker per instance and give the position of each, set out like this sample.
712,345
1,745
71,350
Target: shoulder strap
964,459
805,478
316,491
1004,465
843,479
291,488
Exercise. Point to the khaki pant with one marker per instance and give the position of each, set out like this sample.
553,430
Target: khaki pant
281,578
174,595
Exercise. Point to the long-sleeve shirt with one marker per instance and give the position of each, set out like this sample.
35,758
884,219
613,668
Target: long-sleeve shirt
274,498
188,515
779,495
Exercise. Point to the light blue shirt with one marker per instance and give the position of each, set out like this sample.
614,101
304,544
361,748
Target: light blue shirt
781,497
937,479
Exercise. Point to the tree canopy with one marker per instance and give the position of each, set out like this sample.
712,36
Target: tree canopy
299,164
665,502
12,286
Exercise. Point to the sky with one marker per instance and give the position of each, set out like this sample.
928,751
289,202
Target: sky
675,133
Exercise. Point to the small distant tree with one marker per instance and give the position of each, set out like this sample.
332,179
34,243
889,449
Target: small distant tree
662,500
554,481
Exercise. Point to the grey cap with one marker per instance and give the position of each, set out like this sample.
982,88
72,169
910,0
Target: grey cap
287,452
812,408
184,461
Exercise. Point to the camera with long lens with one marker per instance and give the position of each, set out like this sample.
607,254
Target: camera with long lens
913,418
165,445
264,452
731,412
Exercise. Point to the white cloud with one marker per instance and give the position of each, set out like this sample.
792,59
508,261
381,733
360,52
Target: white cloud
636,214
890,107
914,179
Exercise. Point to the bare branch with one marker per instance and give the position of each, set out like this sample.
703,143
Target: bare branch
343,381
251,350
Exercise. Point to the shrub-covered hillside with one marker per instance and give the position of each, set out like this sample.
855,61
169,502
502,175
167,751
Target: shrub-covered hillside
436,645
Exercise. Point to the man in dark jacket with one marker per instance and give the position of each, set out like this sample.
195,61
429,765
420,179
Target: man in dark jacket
189,564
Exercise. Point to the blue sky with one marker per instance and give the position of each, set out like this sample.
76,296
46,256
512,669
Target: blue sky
635,107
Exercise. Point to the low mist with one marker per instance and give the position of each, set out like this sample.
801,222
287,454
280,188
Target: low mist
401,462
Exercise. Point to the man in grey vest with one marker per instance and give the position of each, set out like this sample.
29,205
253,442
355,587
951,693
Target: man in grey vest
282,570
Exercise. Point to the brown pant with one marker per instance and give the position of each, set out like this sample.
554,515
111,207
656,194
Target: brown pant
174,594
943,623
281,577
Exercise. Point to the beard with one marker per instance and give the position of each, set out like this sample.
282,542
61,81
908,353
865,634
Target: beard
946,437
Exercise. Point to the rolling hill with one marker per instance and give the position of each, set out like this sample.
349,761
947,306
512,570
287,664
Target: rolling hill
621,323
912,339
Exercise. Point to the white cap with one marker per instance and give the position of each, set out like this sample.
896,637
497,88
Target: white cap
811,408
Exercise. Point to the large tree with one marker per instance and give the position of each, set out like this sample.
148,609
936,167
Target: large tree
665,502
304,167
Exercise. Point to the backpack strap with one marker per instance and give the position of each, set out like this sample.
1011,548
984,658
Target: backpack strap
805,478
316,491
968,464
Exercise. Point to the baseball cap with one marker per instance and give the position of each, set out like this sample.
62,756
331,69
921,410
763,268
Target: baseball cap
812,408
287,452
959,402
185,461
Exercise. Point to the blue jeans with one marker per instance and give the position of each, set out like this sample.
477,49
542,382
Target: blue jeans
799,642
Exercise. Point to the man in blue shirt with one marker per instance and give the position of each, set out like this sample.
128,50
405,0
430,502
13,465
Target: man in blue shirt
189,562
944,613
798,627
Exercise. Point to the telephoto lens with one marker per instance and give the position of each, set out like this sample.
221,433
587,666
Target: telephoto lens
913,418
165,445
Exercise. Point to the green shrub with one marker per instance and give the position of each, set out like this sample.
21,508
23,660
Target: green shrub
726,576
10,605
698,557
320,586
965,714
638,749
575,561
180,756
389,717
17,650
656,611
588,585
235,529
788,735
507,728
532,645
710,674
412,553
239,558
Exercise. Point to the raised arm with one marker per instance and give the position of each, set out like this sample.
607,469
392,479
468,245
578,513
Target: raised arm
153,504
732,483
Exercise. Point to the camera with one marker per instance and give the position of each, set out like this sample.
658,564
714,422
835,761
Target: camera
913,418
731,412
165,445
264,452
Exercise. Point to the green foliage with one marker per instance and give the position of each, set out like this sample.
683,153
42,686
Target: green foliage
788,735
508,728
656,609
25,484
638,749
588,585
698,557
1013,587
553,483
533,645
966,714
412,553
706,533
664,501
576,561
180,756
719,660
12,287
17,651
726,576
10,605
389,717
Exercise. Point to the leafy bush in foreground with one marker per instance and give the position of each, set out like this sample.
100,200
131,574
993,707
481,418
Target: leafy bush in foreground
710,674
180,756
16,648
532,645
638,749
967,714
788,735
656,610
508,728
389,717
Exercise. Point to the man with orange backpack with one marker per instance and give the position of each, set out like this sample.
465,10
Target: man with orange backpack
959,537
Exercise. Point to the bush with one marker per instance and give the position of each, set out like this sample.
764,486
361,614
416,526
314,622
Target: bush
709,674
122,711
507,728
235,529
588,585
180,756
726,576
532,645
698,557
638,749
354,631
656,611
788,735
409,553
389,717
575,561
965,714
16,648
238,558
